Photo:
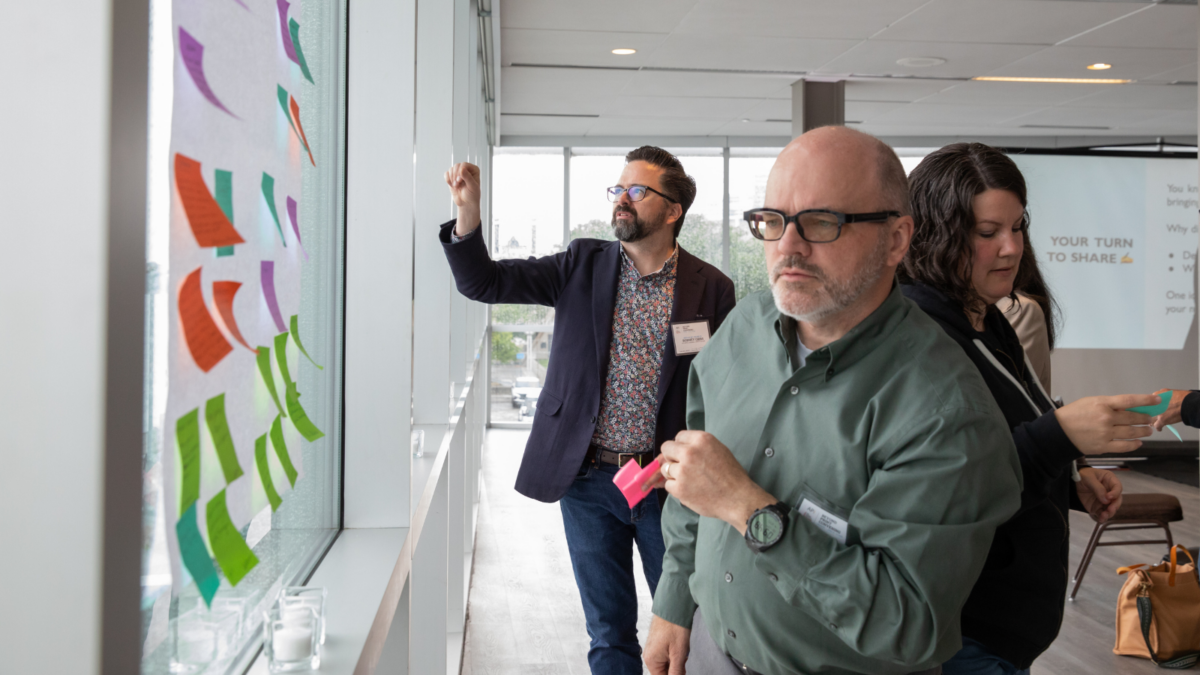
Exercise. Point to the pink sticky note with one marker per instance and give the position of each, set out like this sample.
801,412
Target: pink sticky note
631,477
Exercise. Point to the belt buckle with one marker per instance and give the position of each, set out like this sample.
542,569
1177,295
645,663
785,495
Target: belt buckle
622,458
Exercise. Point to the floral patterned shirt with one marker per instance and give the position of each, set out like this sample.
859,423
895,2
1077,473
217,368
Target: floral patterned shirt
641,323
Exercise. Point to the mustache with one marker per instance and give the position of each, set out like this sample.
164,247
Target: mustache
796,263
623,209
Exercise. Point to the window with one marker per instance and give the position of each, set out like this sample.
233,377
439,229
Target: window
244,322
748,170
701,233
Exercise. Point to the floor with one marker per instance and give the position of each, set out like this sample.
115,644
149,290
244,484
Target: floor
524,614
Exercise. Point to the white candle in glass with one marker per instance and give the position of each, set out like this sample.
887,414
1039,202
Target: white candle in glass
292,643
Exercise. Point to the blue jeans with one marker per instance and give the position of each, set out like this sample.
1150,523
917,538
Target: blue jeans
601,530
975,659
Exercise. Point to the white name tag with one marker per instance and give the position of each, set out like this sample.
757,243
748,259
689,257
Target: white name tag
829,523
690,337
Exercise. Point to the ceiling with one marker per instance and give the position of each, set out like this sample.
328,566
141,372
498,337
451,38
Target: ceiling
725,67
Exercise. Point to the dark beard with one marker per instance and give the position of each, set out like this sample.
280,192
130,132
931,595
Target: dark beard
634,229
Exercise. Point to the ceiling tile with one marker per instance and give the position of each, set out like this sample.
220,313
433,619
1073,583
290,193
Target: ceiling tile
577,47
895,90
652,126
1160,97
865,111
719,85
927,114
768,53
1073,116
512,125
680,106
1069,61
1005,21
769,109
1168,26
1181,123
879,57
1015,93
1181,74
560,90
752,128
855,19
660,16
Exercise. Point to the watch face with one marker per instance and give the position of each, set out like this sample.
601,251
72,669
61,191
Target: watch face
766,527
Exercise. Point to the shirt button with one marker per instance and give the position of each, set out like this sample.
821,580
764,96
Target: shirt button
595,419
773,578
731,634
769,452
833,626
795,390
728,578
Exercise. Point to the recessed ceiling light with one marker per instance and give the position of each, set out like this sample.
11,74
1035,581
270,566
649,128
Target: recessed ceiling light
1100,66
920,61
1051,80
624,51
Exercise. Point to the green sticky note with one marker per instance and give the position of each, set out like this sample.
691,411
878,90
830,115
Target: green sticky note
195,555
295,30
281,359
218,427
268,190
187,436
283,103
295,325
223,192
264,472
300,418
281,450
233,555
1154,410
264,369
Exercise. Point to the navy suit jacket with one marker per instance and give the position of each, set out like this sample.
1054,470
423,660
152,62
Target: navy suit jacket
581,284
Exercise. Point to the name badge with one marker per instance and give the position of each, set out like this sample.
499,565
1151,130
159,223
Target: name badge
826,521
690,337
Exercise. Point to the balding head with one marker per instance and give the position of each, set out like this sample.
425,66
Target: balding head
841,163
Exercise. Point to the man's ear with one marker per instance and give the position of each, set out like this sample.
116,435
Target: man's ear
901,236
676,213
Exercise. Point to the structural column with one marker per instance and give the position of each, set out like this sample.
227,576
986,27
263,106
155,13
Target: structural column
817,104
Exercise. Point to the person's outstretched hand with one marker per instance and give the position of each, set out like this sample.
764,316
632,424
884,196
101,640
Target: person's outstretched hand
463,180
1173,415
667,647
1099,425
1100,491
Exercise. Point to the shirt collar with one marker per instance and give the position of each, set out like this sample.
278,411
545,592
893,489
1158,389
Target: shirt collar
666,271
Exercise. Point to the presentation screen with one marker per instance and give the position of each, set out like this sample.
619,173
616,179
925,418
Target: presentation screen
1116,239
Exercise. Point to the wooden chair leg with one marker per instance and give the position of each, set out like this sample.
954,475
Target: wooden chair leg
1170,540
1087,558
1087,549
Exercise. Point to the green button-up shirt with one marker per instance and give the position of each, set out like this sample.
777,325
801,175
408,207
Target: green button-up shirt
890,428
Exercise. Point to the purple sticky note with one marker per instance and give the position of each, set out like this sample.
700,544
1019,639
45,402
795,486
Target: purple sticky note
268,289
291,207
193,59
283,31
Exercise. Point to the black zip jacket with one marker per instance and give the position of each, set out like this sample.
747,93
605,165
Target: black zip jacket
1016,607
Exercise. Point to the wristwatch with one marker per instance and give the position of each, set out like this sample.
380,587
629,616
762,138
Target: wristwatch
765,527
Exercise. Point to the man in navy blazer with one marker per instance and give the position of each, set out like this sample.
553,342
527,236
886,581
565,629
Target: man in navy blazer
629,317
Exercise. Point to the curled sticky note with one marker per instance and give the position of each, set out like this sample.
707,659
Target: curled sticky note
631,477
1153,410
223,292
204,340
209,221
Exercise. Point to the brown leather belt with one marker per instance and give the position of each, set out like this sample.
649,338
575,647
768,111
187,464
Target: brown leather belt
936,670
597,453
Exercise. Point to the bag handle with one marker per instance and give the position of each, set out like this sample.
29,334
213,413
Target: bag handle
1174,549
1145,616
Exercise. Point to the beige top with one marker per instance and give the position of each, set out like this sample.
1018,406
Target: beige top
1030,323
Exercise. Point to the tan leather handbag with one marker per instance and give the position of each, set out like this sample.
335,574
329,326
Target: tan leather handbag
1158,613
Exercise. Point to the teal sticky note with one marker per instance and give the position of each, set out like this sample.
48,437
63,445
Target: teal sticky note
294,28
195,555
1154,410
268,191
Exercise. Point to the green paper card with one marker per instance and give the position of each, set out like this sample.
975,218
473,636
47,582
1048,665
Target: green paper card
264,369
300,418
218,426
264,472
233,555
281,359
295,325
187,436
195,555
281,451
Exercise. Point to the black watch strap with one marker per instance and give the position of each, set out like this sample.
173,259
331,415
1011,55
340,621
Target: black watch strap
766,526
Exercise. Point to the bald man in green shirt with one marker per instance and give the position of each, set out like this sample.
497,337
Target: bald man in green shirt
844,467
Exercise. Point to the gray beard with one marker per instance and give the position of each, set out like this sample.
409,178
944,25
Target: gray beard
634,229
838,295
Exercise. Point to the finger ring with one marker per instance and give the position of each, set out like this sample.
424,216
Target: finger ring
667,471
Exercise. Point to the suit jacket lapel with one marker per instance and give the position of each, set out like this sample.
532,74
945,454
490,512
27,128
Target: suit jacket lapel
689,291
605,276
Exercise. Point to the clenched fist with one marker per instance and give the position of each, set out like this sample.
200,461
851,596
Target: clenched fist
463,180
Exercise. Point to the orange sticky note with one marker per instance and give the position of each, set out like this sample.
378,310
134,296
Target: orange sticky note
223,292
204,339
300,128
209,224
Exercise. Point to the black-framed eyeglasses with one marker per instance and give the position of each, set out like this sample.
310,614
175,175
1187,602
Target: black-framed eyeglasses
817,226
636,193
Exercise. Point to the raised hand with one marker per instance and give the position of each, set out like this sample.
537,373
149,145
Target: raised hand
463,180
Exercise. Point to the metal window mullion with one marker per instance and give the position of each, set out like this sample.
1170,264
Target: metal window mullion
725,212
566,197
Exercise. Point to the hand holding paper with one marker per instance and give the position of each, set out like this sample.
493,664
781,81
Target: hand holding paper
1099,425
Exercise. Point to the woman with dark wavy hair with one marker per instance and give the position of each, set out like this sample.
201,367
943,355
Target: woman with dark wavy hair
967,253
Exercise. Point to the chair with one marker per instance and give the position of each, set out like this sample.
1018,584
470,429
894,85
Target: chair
1137,512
